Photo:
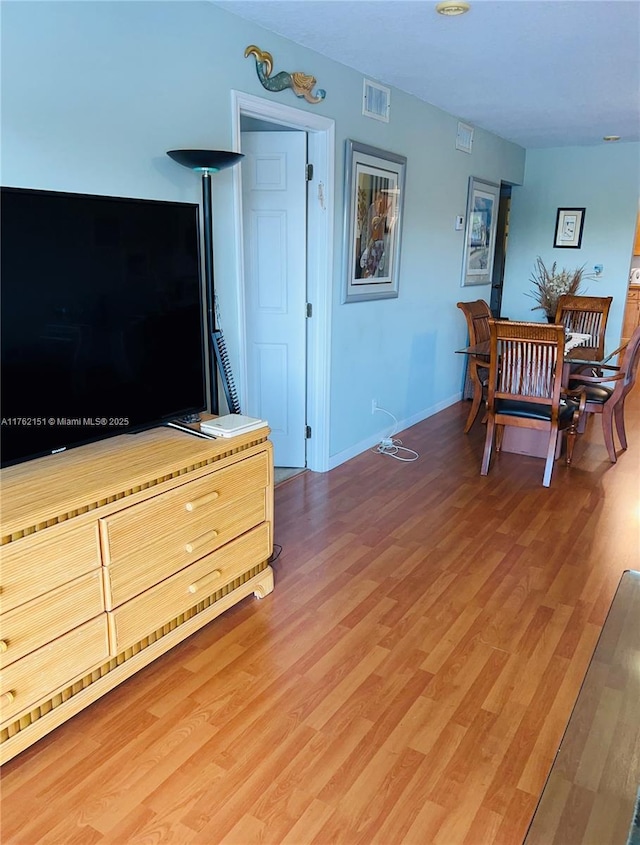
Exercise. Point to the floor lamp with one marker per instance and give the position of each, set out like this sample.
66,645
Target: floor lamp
208,162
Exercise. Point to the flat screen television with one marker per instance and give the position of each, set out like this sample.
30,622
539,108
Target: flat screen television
101,318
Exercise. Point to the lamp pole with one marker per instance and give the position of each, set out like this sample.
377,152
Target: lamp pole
207,221
208,162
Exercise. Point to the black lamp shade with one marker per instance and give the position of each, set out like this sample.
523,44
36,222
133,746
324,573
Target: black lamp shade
213,160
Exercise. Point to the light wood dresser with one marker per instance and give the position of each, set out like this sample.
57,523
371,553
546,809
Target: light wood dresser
114,552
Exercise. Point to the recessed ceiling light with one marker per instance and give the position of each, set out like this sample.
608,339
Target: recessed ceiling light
452,7
611,138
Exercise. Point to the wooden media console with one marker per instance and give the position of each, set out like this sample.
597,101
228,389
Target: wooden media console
114,552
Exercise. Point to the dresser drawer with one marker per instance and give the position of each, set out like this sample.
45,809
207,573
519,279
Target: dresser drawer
136,618
187,503
42,620
150,541
33,565
39,675
175,545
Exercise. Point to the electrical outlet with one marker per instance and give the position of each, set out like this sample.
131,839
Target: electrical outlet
374,406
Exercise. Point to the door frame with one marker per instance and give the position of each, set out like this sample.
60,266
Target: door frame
320,216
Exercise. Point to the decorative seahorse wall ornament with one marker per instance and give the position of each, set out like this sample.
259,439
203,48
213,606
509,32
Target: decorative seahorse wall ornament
300,83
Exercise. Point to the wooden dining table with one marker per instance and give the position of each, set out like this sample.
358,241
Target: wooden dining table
583,355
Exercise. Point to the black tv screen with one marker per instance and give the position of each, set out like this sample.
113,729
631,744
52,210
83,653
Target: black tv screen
101,318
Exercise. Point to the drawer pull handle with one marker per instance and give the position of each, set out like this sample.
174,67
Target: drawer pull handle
205,581
201,500
7,697
199,542
4,645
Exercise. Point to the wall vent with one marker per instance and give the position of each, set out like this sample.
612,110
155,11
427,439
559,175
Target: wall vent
376,101
464,137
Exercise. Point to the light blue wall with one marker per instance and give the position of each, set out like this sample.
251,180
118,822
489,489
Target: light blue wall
604,180
93,94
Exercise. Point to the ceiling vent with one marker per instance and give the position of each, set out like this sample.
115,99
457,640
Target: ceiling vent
376,101
464,137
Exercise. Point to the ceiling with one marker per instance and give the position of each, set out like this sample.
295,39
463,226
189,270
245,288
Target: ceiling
540,73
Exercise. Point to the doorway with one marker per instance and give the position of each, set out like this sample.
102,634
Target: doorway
502,235
319,132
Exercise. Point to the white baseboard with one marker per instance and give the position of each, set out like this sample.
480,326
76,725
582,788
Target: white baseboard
374,439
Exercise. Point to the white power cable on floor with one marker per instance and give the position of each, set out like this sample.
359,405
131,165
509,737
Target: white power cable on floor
391,447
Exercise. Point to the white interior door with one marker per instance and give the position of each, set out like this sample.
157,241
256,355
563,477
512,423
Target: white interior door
275,231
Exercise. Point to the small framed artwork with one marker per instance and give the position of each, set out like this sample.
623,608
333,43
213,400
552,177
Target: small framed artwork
569,226
483,199
374,198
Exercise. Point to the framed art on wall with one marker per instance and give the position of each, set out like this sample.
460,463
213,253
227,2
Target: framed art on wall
374,198
569,226
480,235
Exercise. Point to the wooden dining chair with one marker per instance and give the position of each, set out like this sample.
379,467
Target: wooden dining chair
477,315
587,315
525,390
606,393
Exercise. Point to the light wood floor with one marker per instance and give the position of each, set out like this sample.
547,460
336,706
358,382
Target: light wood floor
591,791
408,681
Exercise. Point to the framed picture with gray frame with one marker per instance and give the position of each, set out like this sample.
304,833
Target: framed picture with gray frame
374,199
483,199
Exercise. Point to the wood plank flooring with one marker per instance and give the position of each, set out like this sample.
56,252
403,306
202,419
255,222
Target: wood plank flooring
591,790
408,681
